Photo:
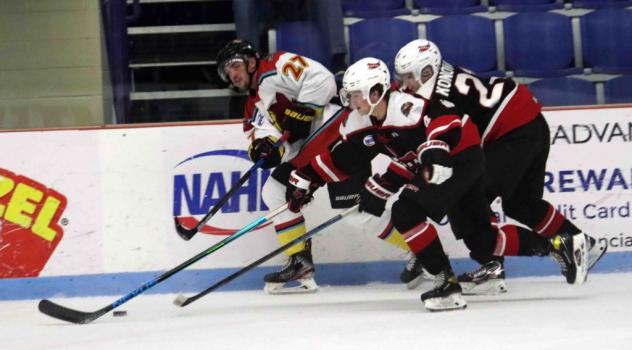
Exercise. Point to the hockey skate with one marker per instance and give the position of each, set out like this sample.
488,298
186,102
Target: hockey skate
446,294
297,276
413,274
571,252
596,249
489,279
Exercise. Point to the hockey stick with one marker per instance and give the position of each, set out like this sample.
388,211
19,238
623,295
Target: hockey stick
182,300
187,234
74,316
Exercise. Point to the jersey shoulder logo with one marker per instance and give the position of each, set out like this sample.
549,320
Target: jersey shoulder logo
406,108
368,141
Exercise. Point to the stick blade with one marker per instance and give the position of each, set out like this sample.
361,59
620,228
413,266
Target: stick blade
180,300
63,313
183,232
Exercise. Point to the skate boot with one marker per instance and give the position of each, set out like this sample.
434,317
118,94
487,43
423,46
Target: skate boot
596,249
413,274
446,293
297,276
489,279
571,251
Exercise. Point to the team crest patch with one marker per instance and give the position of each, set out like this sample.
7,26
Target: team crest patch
368,141
406,108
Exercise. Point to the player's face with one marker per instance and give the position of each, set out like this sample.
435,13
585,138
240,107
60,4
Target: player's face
410,83
358,102
238,75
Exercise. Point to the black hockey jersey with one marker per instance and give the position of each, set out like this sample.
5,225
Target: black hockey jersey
409,122
495,105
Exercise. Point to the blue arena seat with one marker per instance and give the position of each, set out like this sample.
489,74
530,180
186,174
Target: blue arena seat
564,92
595,4
526,5
310,43
607,40
473,46
374,8
619,90
449,7
539,44
380,37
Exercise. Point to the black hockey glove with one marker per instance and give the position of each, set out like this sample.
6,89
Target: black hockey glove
292,117
299,190
435,161
377,190
263,148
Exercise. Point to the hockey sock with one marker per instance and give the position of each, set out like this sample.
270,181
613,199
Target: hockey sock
392,236
553,222
290,230
424,242
514,240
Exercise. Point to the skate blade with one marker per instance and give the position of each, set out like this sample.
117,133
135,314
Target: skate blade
450,303
596,253
580,257
305,286
491,287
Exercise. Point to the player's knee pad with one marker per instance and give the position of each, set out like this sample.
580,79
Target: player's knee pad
406,214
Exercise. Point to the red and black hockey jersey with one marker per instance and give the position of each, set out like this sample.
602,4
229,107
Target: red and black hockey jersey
496,105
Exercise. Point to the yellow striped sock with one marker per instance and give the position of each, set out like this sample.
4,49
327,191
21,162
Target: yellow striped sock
288,231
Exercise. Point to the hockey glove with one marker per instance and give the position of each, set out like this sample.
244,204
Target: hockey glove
299,190
292,117
377,190
263,148
435,161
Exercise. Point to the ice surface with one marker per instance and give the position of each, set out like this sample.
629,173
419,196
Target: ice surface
536,313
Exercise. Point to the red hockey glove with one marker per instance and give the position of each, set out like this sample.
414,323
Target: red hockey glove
299,191
436,163
292,117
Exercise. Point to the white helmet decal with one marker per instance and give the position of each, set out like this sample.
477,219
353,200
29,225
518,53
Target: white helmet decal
362,76
414,57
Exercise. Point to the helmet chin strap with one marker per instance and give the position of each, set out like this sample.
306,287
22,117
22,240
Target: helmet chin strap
373,105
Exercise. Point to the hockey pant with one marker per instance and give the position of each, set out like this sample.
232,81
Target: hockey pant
515,172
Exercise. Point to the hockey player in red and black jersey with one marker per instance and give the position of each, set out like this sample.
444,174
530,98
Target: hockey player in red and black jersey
436,158
515,139
290,93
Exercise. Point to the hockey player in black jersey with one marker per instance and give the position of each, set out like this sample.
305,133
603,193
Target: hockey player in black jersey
515,139
435,156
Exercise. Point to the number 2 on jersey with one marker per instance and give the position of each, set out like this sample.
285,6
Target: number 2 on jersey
295,66
464,89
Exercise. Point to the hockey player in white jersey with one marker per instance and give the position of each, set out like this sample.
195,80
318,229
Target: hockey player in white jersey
289,93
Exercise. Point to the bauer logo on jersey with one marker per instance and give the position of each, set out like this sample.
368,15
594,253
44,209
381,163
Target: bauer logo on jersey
202,180
29,230
369,141
406,108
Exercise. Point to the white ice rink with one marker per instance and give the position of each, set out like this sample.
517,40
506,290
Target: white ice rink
536,313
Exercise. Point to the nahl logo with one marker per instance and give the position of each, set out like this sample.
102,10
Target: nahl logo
200,181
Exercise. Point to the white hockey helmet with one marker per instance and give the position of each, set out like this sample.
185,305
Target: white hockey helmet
362,76
414,57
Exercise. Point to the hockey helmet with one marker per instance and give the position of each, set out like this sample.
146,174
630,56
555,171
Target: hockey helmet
236,49
363,76
414,57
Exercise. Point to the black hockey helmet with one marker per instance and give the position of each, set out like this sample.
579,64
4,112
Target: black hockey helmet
236,49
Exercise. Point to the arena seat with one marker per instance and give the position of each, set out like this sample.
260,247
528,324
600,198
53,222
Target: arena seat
310,43
564,91
607,40
526,5
374,8
473,46
539,44
380,38
449,7
619,90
